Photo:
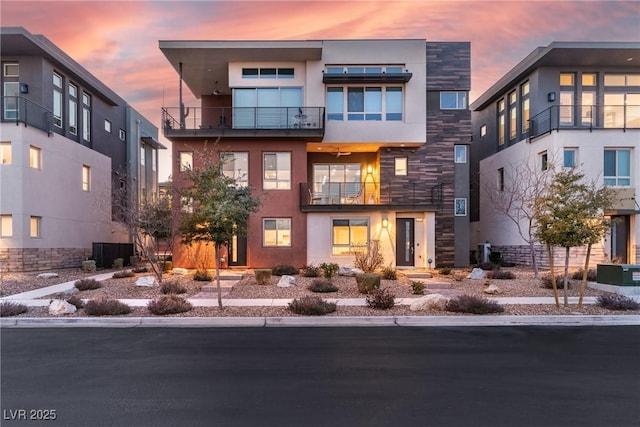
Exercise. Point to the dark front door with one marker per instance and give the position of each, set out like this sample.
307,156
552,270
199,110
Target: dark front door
620,226
404,242
238,251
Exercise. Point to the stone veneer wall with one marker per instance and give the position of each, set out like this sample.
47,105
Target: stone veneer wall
36,259
522,256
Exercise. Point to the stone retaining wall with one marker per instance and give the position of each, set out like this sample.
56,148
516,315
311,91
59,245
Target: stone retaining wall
521,255
38,259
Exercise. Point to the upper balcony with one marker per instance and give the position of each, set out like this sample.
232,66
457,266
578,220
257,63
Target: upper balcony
18,109
584,117
306,123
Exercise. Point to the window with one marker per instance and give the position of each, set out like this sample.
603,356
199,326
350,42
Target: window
268,73
349,235
35,157
268,108
460,207
186,160
57,100
453,100
501,179
567,93
6,226
11,70
524,102
107,126
123,135
365,103
86,117
73,109
393,102
236,166
143,155
617,167
249,73
401,166
501,122
5,152
86,178
35,227
379,69
186,204
622,79
566,79
277,171
587,110
11,93
154,159
483,130
569,158
335,103
276,232
589,79
621,110
513,115
460,153
544,161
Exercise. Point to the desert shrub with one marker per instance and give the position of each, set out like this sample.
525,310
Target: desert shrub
202,275
546,282
311,306
445,271
263,276
322,286
458,277
167,266
87,284
118,263
283,269
369,259
473,305
135,260
123,274
367,282
488,266
172,287
75,301
89,266
501,275
381,299
312,271
11,309
106,307
417,287
591,275
169,304
140,269
329,269
389,273
617,302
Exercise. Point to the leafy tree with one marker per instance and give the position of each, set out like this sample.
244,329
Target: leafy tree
219,207
155,222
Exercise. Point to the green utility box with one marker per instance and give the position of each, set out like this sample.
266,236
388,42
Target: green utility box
619,274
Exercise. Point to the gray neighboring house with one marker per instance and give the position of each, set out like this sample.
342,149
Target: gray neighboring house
66,142
575,104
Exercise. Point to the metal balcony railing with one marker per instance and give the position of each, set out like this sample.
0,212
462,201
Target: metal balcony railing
19,109
584,117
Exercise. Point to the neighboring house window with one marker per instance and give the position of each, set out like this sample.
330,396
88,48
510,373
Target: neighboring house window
276,232
567,94
460,207
370,103
349,235
617,167
236,166
483,130
107,126
501,179
154,159
544,161
35,227
501,122
186,160
513,115
277,171
401,166
186,204
86,117
86,178
123,135
35,157
453,100
460,153
73,109
569,158
525,103
11,73
6,226
57,100
143,155
5,152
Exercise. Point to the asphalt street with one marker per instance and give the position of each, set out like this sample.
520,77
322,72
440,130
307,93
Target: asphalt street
380,376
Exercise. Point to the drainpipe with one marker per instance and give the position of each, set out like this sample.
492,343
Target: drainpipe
181,103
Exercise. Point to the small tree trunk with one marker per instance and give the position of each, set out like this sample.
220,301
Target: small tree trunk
565,279
157,250
534,259
583,285
553,274
217,255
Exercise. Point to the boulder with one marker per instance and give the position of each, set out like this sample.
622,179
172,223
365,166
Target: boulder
286,281
71,291
47,275
492,290
147,281
476,274
58,307
349,271
180,271
431,301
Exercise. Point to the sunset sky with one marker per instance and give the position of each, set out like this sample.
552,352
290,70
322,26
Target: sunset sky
117,41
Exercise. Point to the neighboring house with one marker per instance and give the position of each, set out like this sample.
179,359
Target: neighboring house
345,142
67,141
574,104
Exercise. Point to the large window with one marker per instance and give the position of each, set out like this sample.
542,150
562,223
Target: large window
622,110
349,235
35,157
5,153
277,171
57,100
335,183
11,74
236,166
513,115
6,226
524,102
73,109
453,100
86,117
267,108
617,167
365,103
501,122
567,94
186,160
276,232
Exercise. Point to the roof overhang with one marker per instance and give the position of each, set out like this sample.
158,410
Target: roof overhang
153,143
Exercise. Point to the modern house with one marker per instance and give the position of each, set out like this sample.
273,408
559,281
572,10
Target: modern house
573,104
67,143
344,141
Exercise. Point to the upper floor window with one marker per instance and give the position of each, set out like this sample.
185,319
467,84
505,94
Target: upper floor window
35,157
460,153
268,73
525,106
86,178
453,100
236,166
73,109
11,88
589,79
513,115
569,158
122,134
186,160
460,207
276,171
501,122
57,100
544,161
622,79
5,152
107,126
374,69
374,103
401,166
483,130
501,179
567,96
11,70
617,167
86,116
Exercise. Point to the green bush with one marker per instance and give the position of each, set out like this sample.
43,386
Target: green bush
311,306
284,270
381,299
417,287
87,284
263,276
473,305
445,271
123,274
329,269
8,309
389,273
546,282
322,286
75,301
172,288
312,271
501,275
367,282
169,304
617,302
202,275
591,275
106,307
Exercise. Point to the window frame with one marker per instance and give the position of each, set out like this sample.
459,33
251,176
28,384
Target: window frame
6,153
183,165
618,177
35,227
241,176
278,221
460,100
500,179
544,160
456,157
107,126
389,98
338,249
574,157
73,109
460,206
398,168
277,183
86,178
58,100
35,157
6,222
86,116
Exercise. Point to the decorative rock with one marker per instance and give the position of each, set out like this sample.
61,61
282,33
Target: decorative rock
492,290
431,301
147,281
58,307
349,271
180,271
476,273
71,291
47,275
286,281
